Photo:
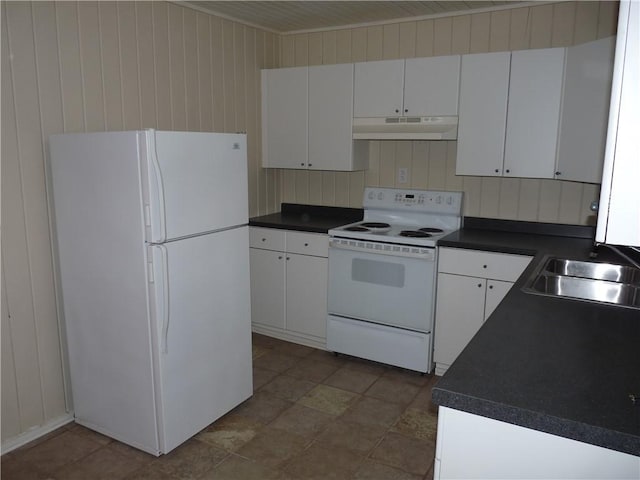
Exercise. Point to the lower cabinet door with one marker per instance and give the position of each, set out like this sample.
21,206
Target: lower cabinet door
307,295
267,287
459,314
496,291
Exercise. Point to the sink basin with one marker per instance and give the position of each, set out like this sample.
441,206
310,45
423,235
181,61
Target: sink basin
594,270
590,281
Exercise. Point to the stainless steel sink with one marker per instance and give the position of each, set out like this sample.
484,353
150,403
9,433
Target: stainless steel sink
595,270
591,281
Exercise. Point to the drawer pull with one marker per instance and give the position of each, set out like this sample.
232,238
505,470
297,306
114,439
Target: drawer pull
479,285
264,239
306,244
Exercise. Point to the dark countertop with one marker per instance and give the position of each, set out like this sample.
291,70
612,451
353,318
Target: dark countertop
308,218
560,366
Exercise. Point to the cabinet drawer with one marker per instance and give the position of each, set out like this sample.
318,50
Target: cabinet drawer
267,238
316,244
474,263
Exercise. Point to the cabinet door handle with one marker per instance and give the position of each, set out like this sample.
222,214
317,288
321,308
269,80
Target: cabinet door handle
288,258
397,111
264,239
497,170
558,173
507,170
279,257
490,287
484,266
306,244
302,164
311,164
479,285
406,110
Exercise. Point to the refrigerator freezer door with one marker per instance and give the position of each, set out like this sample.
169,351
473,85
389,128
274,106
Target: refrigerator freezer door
197,182
205,337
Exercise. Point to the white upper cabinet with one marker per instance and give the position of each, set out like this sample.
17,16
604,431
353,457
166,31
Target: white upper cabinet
284,117
307,115
431,86
330,118
533,112
585,110
378,88
413,87
484,89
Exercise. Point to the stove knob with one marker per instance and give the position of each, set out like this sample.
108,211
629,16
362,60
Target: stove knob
372,195
449,200
380,196
438,199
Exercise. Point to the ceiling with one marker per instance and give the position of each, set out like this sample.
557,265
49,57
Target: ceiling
293,16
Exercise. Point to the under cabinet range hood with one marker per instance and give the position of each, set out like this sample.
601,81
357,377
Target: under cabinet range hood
405,128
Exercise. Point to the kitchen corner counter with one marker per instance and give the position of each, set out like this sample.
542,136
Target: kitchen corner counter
308,218
561,366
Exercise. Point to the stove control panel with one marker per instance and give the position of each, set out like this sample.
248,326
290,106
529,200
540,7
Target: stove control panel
417,200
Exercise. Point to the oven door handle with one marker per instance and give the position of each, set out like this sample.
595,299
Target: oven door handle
379,248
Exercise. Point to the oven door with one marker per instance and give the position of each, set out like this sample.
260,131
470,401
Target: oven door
382,287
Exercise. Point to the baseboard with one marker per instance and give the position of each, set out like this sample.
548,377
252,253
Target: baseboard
35,433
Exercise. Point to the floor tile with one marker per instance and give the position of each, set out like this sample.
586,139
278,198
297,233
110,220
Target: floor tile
272,446
275,361
14,469
287,388
408,376
103,464
259,350
303,421
261,377
328,357
351,379
265,341
393,390
149,472
408,454
352,436
320,462
88,433
334,401
230,432
58,451
238,468
417,423
190,460
371,411
262,407
288,348
366,366
312,370
371,470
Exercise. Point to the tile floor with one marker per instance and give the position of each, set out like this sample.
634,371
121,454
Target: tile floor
313,416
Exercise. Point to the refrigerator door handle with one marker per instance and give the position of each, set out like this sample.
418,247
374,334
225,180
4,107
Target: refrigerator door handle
157,173
164,345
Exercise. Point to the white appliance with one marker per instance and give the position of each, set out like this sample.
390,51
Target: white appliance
405,128
382,276
152,242
619,211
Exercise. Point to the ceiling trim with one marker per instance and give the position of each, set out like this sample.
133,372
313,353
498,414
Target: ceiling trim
496,8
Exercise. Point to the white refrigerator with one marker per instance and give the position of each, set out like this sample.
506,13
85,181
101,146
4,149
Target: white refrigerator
152,251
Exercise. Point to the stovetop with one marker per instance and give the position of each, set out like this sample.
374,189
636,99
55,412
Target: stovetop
408,217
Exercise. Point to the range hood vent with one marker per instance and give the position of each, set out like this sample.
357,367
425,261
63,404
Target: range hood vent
405,128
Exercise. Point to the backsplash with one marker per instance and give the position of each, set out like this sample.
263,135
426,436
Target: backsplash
431,164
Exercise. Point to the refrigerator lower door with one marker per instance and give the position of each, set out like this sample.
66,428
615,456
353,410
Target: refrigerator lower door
197,182
204,338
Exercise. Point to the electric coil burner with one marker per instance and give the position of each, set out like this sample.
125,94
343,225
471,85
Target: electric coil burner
382,276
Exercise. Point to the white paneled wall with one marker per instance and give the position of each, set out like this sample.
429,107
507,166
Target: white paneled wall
93,66
432,164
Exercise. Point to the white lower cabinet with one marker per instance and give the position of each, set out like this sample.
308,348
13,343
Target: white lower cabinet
472,446
471,284
289,285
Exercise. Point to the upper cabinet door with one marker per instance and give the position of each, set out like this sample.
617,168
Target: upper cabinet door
535,93
284,117
378,88
431,86
330,116
484,87
585,110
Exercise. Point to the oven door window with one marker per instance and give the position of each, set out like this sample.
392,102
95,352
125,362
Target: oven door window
377,272
390,290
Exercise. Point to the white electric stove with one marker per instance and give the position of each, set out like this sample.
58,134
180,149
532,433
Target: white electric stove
382,276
